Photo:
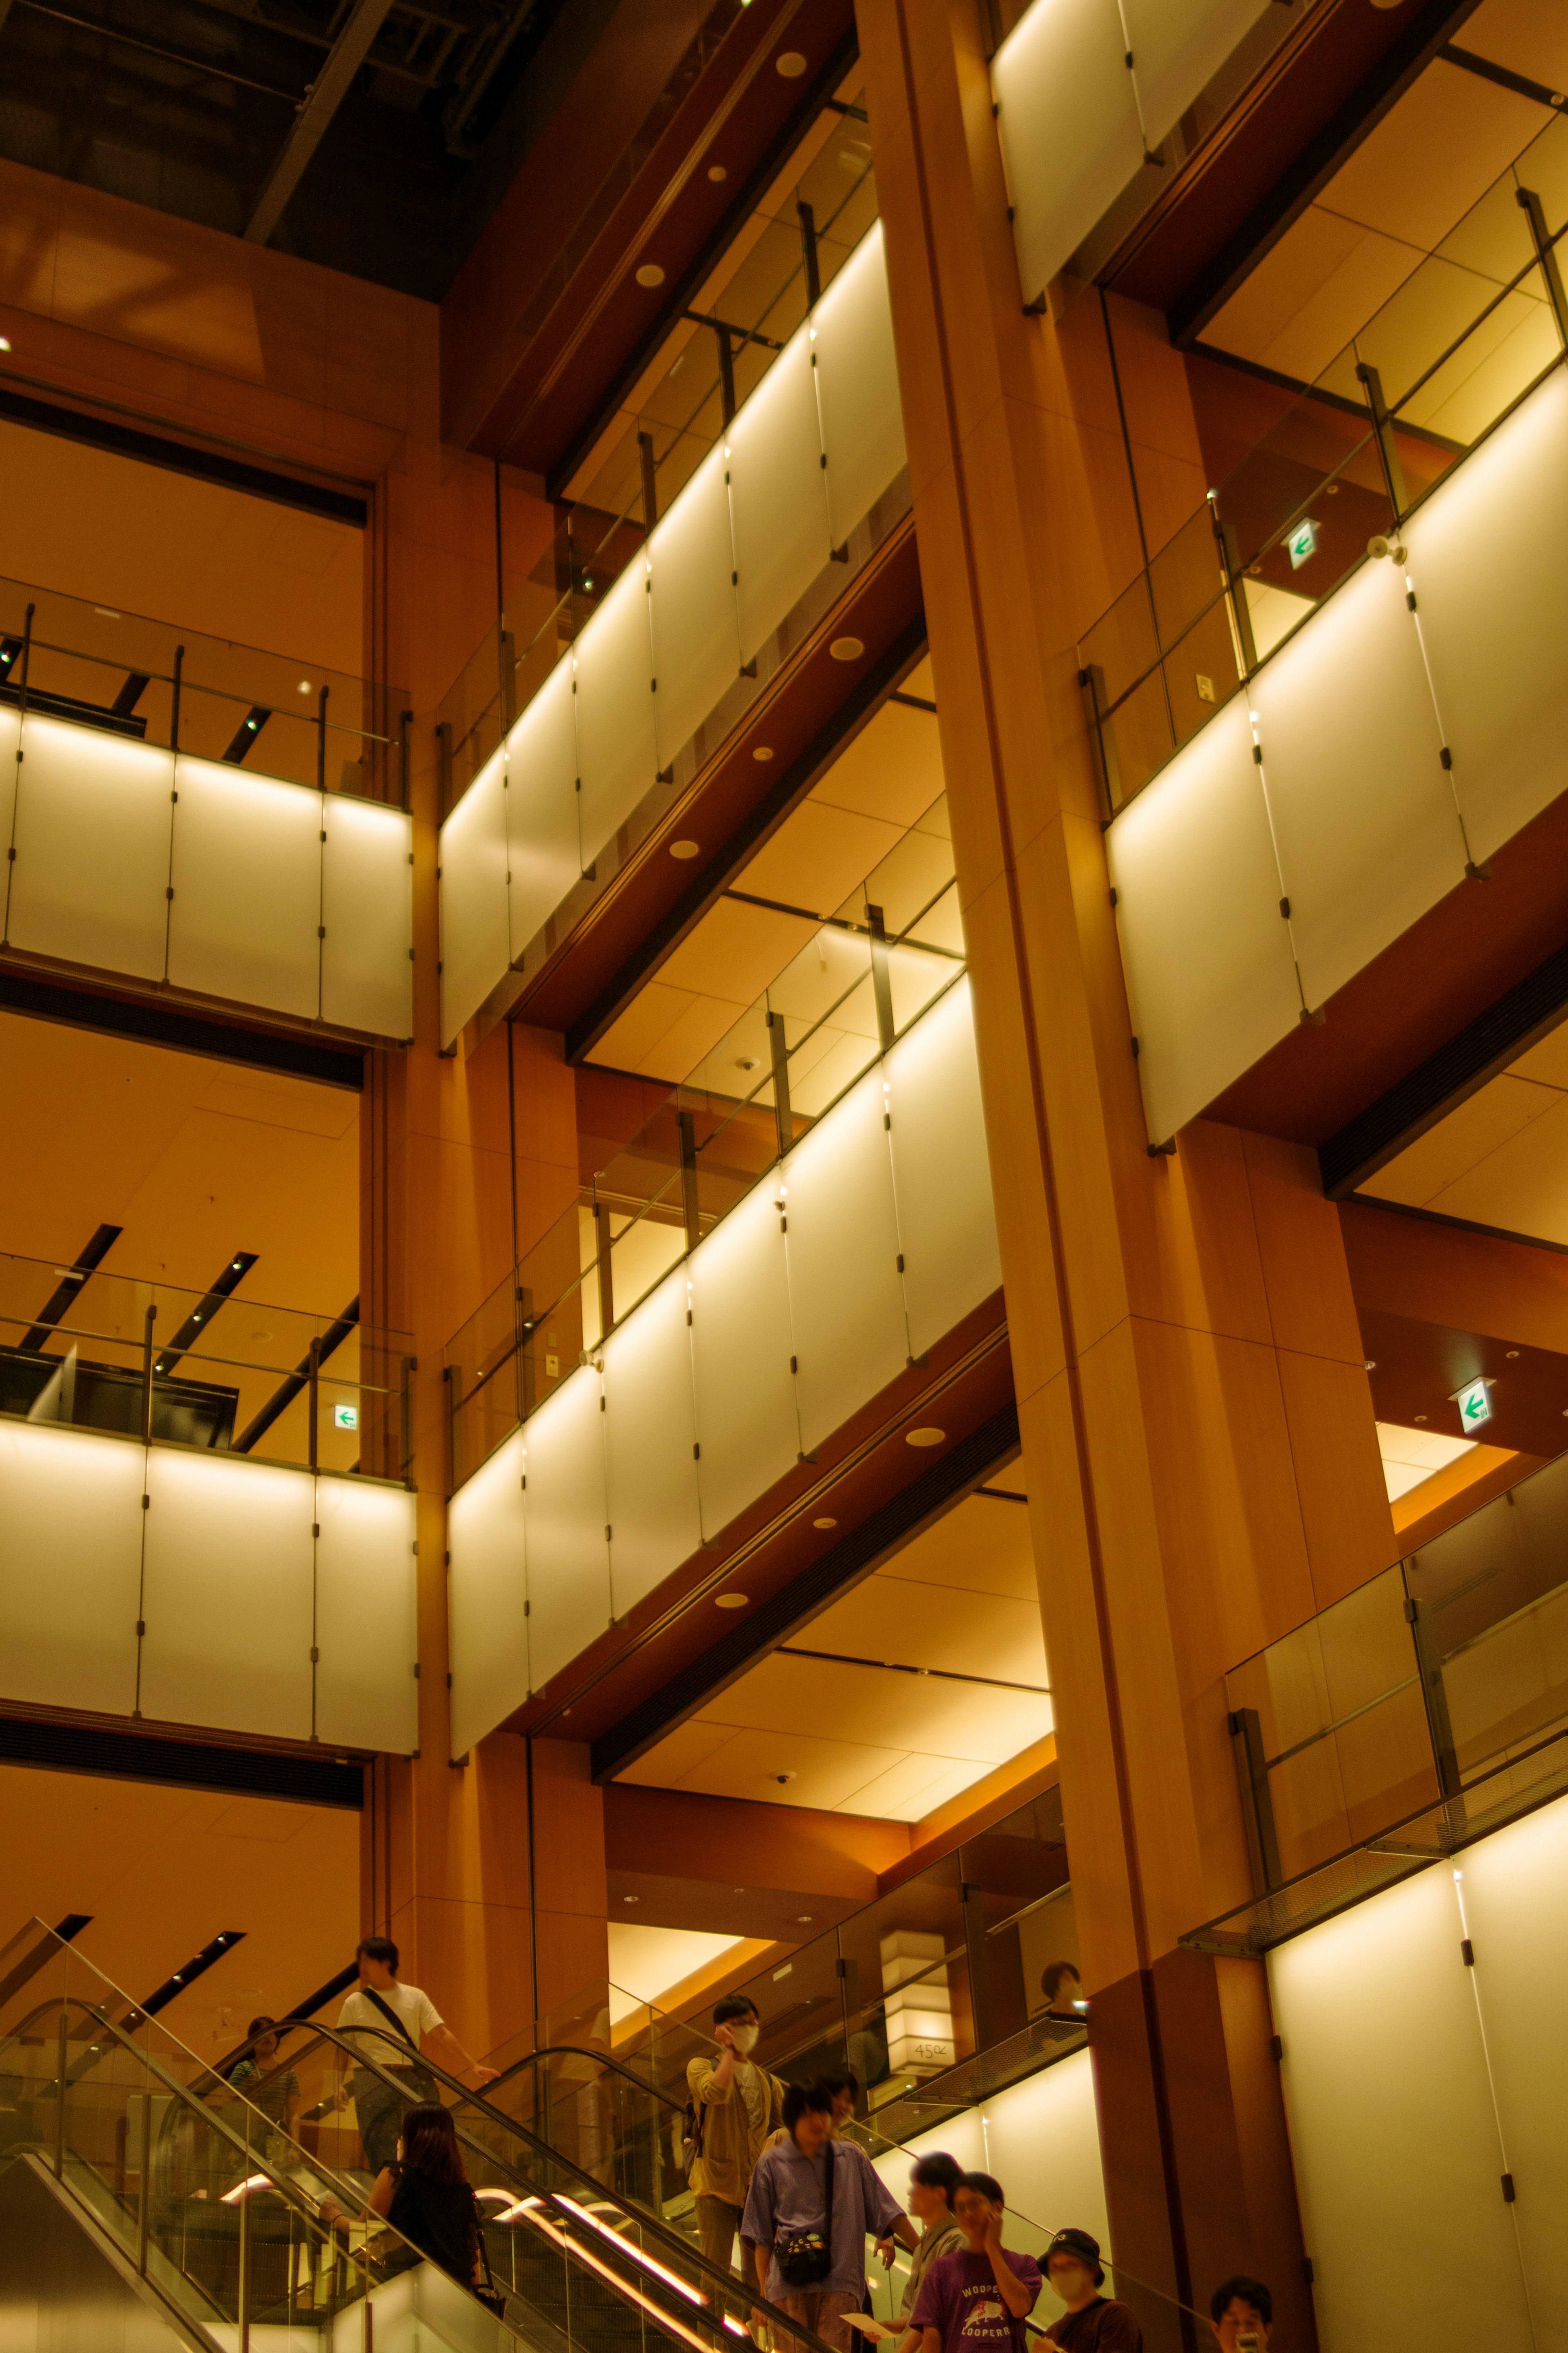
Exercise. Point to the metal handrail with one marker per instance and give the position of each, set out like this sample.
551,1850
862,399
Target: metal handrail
642,2217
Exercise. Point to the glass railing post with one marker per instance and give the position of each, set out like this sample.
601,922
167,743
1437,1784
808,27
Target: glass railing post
1546,254
144,2176
174,700
61,2057
686,1122
1382,429
1435,1696
406,1465
779,1047
1091,681
152,1318
321,739
314,1379
1256,1800
242,2300
881,979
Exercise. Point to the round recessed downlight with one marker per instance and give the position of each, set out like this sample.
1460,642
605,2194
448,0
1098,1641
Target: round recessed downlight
716,173
761,751
847,648
732,1600
630,1899
791,63
650,274
924,1437
686,848
824,1523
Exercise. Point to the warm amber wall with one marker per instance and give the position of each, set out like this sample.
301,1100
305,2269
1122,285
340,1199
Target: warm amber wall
165,1870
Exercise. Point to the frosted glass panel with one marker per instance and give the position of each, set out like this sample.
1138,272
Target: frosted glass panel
846,1304
244,919
1515,1891
367,1630
778,504
857,386
543,856
1363,812
741,1348
651,1431
1177,46
90,877
1210,971
1068,126
568,1555
475,942
1488,561
227,1595
1042,2140
484,1595
367,914
696,640
1378,2021
615,756
942,1171
70,1539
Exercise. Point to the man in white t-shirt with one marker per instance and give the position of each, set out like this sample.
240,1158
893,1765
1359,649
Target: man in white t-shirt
395,2043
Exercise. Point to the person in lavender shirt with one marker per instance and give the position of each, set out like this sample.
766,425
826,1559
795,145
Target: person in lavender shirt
788,2200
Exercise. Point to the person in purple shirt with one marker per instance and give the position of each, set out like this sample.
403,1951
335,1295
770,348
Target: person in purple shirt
788,2195
978,2299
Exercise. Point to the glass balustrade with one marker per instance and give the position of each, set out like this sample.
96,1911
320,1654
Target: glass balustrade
1425,1708
90,1348
1340,464
152,682
857,987
711,363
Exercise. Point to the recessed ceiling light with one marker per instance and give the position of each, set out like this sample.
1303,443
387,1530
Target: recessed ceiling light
804,1919
684,849
824,1523
791,63
732,1600
1420,1417
629,1899
716,172
761,752
5,343
304,686
747,1062
924,1437
847,648
1511,1353
650,274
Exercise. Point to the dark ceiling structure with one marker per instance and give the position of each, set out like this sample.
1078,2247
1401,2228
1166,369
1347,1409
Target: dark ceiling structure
410,116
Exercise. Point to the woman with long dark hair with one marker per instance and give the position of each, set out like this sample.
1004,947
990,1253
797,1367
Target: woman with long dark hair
426,2195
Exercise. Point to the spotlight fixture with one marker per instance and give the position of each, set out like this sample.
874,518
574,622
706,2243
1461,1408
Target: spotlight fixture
732,1601
824,1523
762,752
650,274
684,849
924,1437
847,648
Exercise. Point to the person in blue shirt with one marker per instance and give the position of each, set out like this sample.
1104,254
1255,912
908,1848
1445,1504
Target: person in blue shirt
787,2215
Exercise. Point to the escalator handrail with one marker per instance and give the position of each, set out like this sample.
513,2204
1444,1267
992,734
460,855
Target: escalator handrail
601,2059
642,2216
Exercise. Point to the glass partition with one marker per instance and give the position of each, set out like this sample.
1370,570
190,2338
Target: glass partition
216,1370
1340,466
150,682
1427,1706
893,947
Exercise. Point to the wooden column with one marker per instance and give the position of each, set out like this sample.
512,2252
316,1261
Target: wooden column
1198,1433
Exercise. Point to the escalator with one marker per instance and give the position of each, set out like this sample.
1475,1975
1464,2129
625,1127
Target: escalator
202,2203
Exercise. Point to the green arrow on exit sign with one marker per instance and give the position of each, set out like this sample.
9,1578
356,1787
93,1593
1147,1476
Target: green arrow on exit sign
1475,1406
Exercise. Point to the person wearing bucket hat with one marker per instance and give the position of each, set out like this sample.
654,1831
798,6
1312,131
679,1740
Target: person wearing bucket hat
1093,2323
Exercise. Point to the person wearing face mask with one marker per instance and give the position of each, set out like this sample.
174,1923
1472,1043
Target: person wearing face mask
1093,2323
735,2104
1241,2309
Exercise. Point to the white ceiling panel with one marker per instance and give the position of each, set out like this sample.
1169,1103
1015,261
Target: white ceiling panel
980,1546
900,1622
892,770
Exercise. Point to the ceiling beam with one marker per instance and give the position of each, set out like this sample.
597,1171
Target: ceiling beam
326,94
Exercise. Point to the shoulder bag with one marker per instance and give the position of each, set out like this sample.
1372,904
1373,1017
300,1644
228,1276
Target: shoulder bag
804,2258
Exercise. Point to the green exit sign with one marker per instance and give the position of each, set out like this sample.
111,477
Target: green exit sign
1475,1406
346,1417
1303,544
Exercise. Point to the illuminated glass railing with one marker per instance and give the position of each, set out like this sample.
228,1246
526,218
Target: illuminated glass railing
872,1238
1419,1712
1402,733
892,947
802,463
141,844
204,1520
711,361
1086,90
